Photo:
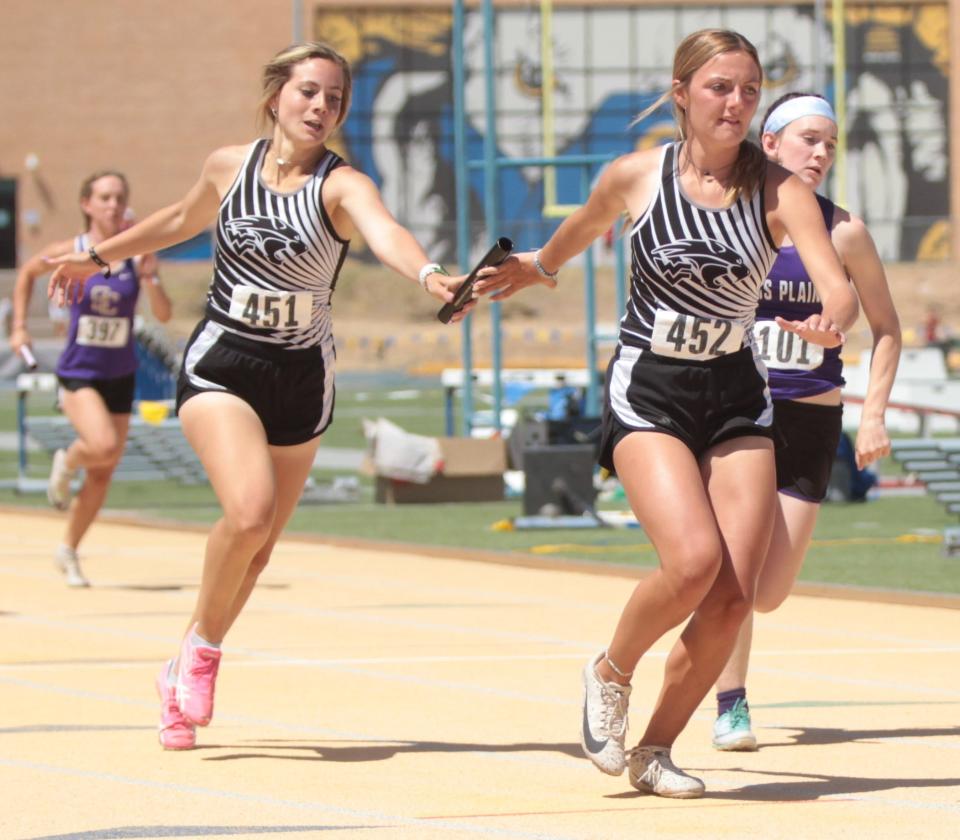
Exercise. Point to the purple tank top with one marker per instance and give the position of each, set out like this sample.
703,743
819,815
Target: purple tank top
100,338
795,368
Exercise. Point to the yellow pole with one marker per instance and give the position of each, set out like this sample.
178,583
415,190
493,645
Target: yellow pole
550,206
840,99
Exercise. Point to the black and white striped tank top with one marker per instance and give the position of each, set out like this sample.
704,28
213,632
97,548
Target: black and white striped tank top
277,259
696,273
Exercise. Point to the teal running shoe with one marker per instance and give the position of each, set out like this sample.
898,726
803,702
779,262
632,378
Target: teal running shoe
732,732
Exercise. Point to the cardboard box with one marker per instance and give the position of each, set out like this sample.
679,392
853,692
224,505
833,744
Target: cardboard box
470,470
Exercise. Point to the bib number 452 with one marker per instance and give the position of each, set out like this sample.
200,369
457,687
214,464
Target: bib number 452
694,337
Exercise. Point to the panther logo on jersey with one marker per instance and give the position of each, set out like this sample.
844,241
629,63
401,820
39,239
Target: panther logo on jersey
273,238
705,260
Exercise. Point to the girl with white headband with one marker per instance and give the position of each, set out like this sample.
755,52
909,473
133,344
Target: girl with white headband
800,133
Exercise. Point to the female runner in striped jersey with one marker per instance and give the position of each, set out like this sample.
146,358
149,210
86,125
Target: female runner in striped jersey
256,387
800,133
687,414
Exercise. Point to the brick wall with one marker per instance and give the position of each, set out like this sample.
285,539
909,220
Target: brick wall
149,88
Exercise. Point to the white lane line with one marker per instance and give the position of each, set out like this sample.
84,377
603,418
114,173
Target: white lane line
903,687
897,803
263,660
346,616
356,670
384,820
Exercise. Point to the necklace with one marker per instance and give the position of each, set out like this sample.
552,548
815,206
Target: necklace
708,173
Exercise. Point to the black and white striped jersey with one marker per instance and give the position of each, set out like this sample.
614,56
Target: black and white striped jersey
277,259
696,272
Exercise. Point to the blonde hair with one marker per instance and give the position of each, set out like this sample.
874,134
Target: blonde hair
276,73
693,53
86,188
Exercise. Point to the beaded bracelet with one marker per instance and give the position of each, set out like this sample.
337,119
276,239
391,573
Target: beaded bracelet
105,266
541,270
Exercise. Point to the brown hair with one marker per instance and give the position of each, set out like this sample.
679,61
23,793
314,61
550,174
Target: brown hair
276,73
693,52
86,187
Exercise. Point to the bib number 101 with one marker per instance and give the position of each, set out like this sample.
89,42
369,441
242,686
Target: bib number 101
693,337
265,309
783,350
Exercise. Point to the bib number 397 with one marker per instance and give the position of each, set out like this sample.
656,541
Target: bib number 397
693,337
264,309
783,350
101,331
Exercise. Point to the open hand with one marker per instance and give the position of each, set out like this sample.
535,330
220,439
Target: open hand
443,287
512,275
816,330
66,283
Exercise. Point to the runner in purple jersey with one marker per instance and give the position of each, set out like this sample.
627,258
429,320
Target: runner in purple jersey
800,133
97,367
256,389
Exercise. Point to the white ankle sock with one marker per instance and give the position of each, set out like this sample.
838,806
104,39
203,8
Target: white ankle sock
198,641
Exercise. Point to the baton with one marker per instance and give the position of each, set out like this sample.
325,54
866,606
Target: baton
497,254
28,358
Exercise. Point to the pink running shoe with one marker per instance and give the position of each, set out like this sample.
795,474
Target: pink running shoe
196,679
176,732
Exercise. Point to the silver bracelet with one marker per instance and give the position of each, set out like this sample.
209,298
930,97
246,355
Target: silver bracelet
541,270
427,270
615,669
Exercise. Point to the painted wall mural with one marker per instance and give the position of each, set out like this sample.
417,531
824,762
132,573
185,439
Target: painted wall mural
610,64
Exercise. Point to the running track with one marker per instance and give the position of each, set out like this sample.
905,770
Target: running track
379,694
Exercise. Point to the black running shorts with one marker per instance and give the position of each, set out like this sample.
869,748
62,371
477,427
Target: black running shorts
290,390
116,393
808,435
701,403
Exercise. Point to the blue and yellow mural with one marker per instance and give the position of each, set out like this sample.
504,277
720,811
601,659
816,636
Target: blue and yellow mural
611,62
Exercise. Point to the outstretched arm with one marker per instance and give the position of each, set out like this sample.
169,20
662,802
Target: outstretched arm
355,194
168,226
793,209
576,232
147,272
859,253
32,269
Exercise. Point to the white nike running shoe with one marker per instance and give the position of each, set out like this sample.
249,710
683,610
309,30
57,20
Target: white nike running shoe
58,487
69,563
652,771
604,727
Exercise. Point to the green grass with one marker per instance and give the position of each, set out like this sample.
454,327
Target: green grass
418,410
890,543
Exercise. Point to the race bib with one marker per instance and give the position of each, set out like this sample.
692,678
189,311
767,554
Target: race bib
783,350
101,331
268,310
693,337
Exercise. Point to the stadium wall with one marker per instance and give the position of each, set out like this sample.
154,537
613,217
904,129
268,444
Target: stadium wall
152,88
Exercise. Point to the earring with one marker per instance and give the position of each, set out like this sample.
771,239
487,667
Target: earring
274,112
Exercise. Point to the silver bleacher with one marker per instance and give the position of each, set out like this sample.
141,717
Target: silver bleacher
154,450
935,462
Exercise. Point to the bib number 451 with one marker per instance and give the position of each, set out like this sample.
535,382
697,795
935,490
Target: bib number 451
270,310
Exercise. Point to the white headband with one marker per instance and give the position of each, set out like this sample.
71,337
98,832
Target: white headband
794,109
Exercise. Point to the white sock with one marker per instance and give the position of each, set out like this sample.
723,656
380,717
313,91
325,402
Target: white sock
198,641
